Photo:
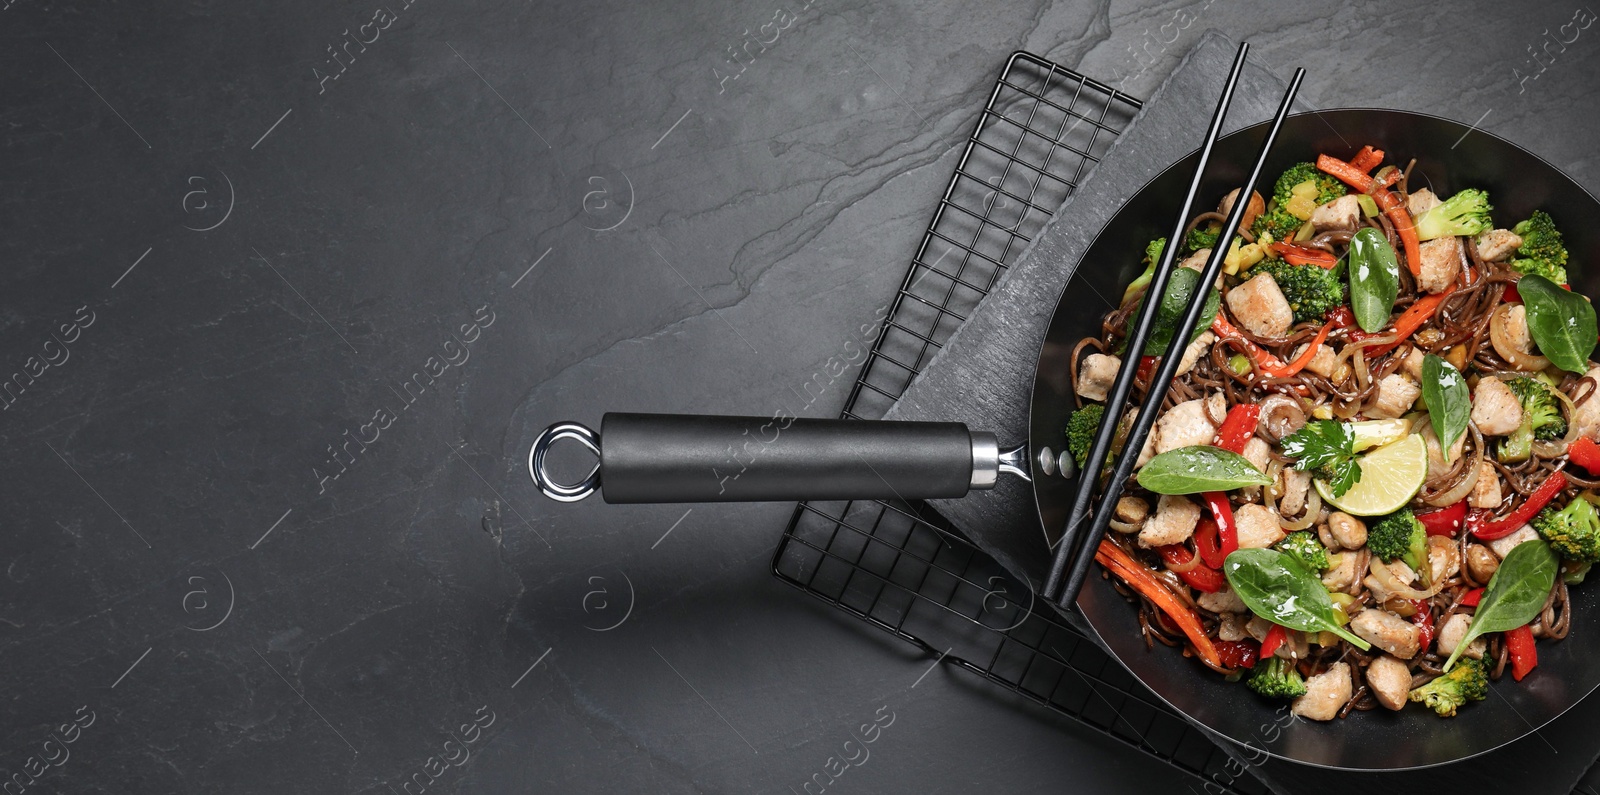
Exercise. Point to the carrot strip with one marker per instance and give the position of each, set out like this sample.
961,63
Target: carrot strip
1347,173
1367,159
1144,581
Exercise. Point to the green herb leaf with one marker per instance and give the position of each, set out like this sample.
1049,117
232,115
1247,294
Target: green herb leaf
1277,588
1449,403
1180,288
1374,279
1561,322
1328,448
1191,470
1515,595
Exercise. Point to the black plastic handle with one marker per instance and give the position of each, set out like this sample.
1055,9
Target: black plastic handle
657,458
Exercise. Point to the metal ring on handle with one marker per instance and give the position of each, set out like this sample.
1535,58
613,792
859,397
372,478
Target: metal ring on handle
558,491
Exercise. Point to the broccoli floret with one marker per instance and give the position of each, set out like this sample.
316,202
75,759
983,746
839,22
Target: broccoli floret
1400,536
1276,677
1466,213
1468,681
1203,237
1573,531
1303,546
1541,419
1276,221
1328,186
1542,253
1152,255
1312,290
1081,427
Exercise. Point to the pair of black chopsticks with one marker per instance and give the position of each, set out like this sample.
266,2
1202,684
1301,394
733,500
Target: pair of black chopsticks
1076,550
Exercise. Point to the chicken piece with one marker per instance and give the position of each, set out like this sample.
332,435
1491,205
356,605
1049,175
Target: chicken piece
1326,694
1399,569
1486,492
1421,201
1295,485
1280,416
1412,366
1095,375
1200,346
1223,601
1185,425
1587,416
1389,679
1260,307
1441,264
1324,362
1348,531
1444,558
1497,244
1436,463
1502,546
1392,398
1387,631
1231,627
1256,207
1341,573
1258,453
1495,410
1258,526
1517,336
1341,213
1453,631
1197,263
1258,627
1132,510
1173,523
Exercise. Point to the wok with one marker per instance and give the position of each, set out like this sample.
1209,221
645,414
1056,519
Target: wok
690,458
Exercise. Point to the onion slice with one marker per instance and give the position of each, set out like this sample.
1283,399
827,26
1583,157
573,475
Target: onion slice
1500,338
1459,492
1390,583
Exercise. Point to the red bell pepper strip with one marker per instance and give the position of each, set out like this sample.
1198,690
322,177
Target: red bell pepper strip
1478,519
1238,427
1445,521
1585,453
1144,581
1409,321
1275,638
1304,255
1208,544
1238,653
1147,368
1200,578
1511,296
1472,597
1524,657
1266,363
1222,514
1367,159
1423,618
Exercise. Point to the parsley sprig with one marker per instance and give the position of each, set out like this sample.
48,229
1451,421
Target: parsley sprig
1326,447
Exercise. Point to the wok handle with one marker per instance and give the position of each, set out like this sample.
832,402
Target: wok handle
662,458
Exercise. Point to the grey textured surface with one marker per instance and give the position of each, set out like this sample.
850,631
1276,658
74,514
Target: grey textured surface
984,375
166,479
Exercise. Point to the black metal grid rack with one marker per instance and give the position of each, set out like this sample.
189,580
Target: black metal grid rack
900,566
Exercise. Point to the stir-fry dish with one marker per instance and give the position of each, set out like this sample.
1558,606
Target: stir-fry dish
1376,475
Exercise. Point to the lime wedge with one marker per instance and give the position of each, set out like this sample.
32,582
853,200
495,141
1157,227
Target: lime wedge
1390,476
1377,433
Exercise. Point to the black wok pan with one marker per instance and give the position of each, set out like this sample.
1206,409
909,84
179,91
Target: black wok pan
678,458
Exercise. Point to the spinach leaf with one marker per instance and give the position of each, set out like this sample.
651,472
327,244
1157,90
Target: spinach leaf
1191,470
1327,447
1515,595
1562,322
1280,590
1180,288
1445,393
1374,279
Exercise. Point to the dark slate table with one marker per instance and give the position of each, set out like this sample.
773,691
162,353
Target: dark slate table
285,286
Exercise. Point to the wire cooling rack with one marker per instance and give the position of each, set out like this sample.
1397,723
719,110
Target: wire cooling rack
900,566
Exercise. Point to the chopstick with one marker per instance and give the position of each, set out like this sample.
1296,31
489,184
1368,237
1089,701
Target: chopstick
1068,547
1162,380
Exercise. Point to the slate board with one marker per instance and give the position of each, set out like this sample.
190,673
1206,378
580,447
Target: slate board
984,377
